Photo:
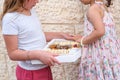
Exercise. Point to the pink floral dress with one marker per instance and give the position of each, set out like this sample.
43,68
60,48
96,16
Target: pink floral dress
101,59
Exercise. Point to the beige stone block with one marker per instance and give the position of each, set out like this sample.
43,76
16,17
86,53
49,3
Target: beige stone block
65,71
2,57
68,28
3,76
1,1
3,68
60,11
79,29
11,65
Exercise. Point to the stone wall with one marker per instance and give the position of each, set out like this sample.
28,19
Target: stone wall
56,15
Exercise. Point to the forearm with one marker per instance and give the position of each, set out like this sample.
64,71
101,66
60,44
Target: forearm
44,56
53,35
22,55
95,35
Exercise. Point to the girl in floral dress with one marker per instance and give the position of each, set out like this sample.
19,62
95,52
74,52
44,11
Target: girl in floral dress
100,47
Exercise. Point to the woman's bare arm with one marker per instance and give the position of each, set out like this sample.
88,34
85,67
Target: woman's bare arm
16,54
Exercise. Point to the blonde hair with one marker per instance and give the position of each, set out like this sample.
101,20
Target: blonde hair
11,6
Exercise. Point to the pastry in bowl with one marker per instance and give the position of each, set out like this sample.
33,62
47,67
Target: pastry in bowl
63,47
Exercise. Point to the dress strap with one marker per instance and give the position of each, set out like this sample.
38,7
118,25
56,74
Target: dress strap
99,2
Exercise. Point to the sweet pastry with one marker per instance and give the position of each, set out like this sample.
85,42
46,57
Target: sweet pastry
63,47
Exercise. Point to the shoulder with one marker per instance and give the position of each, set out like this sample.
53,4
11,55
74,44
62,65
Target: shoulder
8,17
8,25
94,10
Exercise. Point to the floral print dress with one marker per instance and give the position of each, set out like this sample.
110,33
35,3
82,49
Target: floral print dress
101,59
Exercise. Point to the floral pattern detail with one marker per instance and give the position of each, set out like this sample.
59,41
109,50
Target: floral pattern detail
101,59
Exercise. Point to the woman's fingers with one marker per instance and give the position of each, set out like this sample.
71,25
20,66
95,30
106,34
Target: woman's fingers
54,60
50,59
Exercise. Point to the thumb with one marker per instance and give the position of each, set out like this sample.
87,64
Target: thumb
56,61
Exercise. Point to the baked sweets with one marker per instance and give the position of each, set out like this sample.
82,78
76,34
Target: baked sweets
62,47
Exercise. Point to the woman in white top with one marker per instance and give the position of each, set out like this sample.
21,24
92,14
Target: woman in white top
25,40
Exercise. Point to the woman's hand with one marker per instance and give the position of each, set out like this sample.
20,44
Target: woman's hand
77,38
47,57
67,36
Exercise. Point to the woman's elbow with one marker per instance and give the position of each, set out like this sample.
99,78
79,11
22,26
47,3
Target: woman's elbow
101,33
11,57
